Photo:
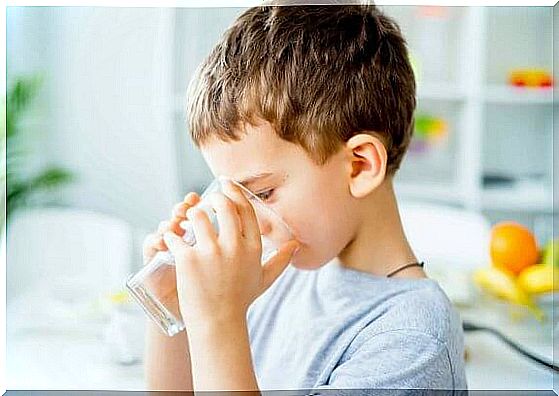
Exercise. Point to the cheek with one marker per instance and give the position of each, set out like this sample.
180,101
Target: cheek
323,228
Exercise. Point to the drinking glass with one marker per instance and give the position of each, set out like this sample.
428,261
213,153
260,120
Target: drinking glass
154,286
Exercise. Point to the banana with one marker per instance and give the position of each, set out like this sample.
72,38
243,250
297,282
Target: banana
503,285
550,253
539,278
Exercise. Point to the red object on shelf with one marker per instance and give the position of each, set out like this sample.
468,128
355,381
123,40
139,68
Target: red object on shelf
433,11
533,78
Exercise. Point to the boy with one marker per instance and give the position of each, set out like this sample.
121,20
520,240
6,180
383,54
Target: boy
311,108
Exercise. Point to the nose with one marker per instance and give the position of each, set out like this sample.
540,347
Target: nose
265,225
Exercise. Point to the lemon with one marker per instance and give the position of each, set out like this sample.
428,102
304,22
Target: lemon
539,278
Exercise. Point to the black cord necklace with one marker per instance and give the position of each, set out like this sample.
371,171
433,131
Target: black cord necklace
405,266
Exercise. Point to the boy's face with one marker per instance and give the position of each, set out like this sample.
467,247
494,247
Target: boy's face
313,200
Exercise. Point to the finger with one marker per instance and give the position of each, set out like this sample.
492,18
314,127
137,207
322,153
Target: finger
191,198
204,232
167,225
230,228
162,227
176,245
174,226
274,267
179,210
249,222
151,246
160,244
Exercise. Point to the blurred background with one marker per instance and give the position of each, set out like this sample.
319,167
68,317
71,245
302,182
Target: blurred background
98,153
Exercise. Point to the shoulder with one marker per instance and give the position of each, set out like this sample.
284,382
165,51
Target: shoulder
414,340
396,358
423,308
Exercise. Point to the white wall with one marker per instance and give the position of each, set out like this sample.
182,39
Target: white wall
111,111
197,31
104,111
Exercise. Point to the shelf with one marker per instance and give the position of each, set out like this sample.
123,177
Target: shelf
520,197
447,193
440,91
488,119
503,94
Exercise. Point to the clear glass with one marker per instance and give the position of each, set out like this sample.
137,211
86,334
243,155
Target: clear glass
154,286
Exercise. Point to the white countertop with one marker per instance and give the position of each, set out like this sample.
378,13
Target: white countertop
491,364
39,358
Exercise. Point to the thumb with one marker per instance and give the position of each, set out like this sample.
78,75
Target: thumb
275,266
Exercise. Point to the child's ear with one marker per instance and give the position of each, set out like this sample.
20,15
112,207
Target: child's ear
367,158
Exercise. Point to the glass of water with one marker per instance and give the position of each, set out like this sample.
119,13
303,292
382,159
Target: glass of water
154,286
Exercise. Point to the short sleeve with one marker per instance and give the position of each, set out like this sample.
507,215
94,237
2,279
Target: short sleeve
395,359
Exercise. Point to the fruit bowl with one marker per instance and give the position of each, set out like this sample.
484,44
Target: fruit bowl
506,310
549,303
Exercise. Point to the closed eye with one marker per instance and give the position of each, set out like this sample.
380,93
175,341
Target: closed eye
265,195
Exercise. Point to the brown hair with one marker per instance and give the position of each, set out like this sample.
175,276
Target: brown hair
317,74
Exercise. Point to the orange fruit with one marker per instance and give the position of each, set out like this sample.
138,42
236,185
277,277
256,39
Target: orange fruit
513,247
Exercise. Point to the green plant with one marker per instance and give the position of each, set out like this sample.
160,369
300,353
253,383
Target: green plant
21,188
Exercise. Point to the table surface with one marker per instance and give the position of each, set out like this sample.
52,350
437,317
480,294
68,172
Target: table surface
78,358
491,364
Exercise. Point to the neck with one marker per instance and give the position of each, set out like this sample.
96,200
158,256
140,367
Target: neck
379,245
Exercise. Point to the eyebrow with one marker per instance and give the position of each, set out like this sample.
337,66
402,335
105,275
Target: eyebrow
253,178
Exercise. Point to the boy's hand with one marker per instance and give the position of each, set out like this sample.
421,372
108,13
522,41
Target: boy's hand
220,276
163,282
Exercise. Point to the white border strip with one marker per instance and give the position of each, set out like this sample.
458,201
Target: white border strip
249,3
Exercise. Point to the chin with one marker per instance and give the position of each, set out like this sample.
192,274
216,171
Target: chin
303,260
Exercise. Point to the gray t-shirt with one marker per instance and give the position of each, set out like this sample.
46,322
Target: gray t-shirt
338,328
